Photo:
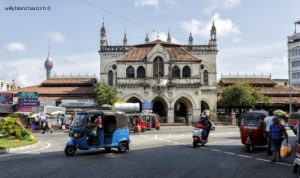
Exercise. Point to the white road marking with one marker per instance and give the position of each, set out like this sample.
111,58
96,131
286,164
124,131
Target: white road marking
217,150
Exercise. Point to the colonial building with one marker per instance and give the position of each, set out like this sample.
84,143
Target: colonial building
179,80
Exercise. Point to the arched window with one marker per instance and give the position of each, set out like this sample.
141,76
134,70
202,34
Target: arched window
130,72
186,72
110,78
140,72
175,72
205,78
158,67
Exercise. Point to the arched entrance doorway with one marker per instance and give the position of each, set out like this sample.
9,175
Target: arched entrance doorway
204,106
183,111
160,108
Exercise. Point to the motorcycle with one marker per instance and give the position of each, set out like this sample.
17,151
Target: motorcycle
198,135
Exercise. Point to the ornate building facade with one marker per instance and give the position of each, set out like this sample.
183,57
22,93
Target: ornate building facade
180,80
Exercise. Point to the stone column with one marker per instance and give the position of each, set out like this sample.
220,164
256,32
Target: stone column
233,118
170,118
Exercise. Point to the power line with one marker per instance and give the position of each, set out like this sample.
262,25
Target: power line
114,14
245,55
124,18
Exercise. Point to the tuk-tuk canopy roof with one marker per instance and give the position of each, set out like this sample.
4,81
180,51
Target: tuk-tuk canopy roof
121,120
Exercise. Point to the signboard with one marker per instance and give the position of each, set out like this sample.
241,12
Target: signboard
6,102
78,103
147,105
26,100
5,108
6,98
47,103
54,110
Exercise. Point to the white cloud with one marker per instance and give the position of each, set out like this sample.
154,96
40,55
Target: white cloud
56,36
231,3
16,47
141,3
276,66
224,27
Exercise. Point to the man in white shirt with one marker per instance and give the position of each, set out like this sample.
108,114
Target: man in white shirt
268,121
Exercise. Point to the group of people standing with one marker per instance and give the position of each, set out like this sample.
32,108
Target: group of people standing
275,132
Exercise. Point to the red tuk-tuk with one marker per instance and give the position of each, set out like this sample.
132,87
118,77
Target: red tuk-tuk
293,119
151,119
251,129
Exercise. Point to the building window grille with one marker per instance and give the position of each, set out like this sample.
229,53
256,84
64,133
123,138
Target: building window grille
175,72
186,72
110,78
205,78
130,72
141,72
158,67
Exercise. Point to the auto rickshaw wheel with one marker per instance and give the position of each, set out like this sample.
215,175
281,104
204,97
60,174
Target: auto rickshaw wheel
122,148
70,150
157,128
298,172
195,144
143,130
108,149
250,148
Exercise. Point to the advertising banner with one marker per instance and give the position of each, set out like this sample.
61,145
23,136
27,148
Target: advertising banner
5,108
78,103
6,98
26,100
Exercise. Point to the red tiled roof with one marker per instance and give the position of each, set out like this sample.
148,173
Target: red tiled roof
69,81
62,88
251,81
176,52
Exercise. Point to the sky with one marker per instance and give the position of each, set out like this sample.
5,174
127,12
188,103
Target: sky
251,35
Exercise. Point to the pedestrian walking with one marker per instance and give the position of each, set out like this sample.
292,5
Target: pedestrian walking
63,122
268,121
47,126
276,134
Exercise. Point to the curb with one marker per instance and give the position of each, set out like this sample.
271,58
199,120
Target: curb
19,149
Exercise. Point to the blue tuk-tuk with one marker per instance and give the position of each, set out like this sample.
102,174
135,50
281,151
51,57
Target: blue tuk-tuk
98,129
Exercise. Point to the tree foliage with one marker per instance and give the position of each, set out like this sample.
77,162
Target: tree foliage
105,94
242,94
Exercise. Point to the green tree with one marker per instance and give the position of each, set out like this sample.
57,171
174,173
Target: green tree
242,94
105,94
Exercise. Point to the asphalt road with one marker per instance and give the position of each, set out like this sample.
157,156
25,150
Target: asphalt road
162,153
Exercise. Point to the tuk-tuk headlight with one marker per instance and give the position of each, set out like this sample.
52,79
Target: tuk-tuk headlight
78,134
71,133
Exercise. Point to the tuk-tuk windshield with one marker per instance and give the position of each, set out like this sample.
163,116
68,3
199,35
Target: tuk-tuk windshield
252,121
78,120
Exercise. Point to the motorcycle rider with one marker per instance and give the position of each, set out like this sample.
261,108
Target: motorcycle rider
206,126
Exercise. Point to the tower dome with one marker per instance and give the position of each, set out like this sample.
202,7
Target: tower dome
48,65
